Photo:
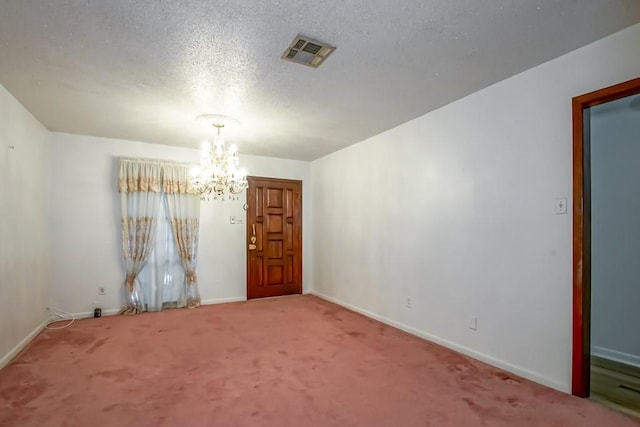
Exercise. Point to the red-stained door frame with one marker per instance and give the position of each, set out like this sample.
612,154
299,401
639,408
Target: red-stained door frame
582,228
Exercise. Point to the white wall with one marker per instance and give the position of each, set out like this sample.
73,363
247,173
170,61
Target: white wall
455,210
615,238
85,222
24,233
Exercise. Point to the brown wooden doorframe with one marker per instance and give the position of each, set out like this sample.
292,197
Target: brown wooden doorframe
274,237
582,229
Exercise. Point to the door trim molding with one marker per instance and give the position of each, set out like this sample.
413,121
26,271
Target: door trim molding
582,229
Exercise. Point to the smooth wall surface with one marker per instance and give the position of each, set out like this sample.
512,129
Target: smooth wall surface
24,232
615,230
85,222
452,216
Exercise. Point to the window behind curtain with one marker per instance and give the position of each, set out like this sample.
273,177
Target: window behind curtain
163,276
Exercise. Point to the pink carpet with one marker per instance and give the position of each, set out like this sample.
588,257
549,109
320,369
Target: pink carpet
292,361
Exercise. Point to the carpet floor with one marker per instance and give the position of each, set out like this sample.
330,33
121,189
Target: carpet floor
292,361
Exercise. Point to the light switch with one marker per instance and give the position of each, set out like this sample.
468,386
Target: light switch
561,206
232,219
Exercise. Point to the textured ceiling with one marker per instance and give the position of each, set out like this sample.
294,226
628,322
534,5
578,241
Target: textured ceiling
142,70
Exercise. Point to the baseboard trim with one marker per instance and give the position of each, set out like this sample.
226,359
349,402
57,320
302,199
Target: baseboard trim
87,314
524,373
616,356
22,344
114,311
222,300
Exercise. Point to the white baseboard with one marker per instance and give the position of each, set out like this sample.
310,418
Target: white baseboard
222,300
88,314
617,356
22,344
114,311
522,372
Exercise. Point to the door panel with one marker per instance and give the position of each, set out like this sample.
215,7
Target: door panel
274,226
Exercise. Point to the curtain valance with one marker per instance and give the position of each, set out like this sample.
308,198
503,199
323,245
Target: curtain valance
149,175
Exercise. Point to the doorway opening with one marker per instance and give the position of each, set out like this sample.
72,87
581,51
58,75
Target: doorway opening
584,191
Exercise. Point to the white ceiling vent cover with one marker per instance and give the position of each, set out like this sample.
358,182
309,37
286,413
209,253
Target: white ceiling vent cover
307,51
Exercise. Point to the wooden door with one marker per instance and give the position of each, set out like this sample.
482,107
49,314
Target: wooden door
274,237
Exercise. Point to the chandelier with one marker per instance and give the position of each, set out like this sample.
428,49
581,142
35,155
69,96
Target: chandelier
219,172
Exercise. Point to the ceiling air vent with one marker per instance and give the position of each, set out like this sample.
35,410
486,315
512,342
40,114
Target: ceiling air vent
306,51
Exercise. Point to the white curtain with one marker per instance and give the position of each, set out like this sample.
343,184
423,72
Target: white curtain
160,227
140,194
184,213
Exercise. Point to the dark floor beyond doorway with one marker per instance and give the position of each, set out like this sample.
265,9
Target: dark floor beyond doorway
291,361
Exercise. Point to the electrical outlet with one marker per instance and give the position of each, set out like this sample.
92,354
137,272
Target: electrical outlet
408,302
101,290
473,323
